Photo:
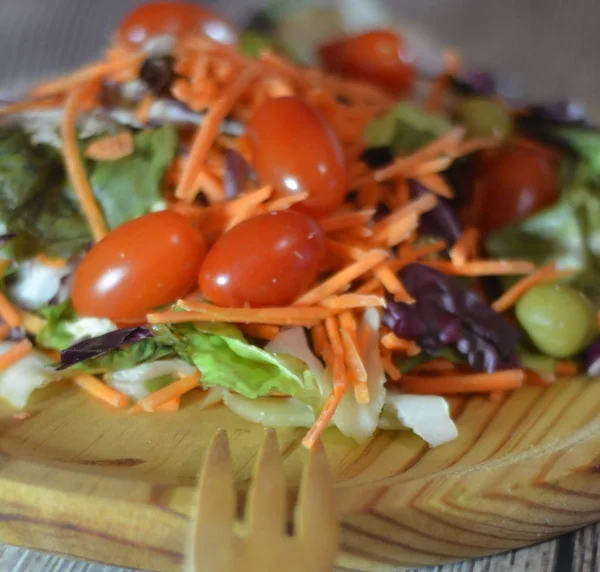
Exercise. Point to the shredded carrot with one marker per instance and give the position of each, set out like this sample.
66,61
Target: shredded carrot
201,312
54,262
74,166
325,417
397,230
111,148
464,383
332,328
95,387
436,184
444,144
87,74
389,367
171,405
4,331
484,267
284,203
260,331
31,323
392,342
172,391
15,353
210,186
355,365
548,273
9,313
465,247
350,301
343,221
436,365
318,337
208,131
566,369
419,206
342,279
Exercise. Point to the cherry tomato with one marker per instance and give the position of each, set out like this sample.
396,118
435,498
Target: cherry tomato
515,184
178,19
296,150
268,260
146,262
379,56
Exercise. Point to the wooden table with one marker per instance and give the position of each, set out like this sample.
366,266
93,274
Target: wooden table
549,47
576,552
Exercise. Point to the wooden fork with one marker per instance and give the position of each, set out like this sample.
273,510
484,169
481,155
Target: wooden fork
261,542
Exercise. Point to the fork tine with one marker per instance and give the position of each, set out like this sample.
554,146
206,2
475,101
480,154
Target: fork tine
266,508
315,516
212,541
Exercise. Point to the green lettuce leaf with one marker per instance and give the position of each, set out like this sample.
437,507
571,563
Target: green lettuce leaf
33,202
567,232
219,351
130,187
406,128
227,360
54,334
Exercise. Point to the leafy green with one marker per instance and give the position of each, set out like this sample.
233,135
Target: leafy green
227,360
33,202
567,232
219,351
408,363
54,334
129,187
406,128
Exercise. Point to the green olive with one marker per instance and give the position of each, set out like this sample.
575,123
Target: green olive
484,118
559,319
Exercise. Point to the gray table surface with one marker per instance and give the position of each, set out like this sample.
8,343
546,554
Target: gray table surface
549,47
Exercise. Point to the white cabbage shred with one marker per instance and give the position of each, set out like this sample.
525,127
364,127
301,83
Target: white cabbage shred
21,379
132,381
36,283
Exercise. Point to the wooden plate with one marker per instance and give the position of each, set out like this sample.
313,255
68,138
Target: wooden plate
79,479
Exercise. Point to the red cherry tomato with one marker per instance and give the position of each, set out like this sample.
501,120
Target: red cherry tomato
146,262
178,19
379,56
515,184
296,150
268,260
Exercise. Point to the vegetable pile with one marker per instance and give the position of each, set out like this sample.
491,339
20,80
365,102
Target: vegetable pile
301,219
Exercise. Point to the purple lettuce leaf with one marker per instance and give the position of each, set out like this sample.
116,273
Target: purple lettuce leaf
441,220
446,313
237,172
475,82
99,345
591,358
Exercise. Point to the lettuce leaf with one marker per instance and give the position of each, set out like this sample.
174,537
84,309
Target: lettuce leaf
33,202
405,128
130,187
227,360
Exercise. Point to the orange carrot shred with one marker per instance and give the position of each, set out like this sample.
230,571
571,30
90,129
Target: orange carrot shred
171,405
208,131
389,367
342,279
8,312
350,301
165,394
318,336
333,333
95,387
325,417
566,369
464,383
111,148
15,353
260,331
4,331
74,166
548,273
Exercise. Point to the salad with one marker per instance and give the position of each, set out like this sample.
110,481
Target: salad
313,220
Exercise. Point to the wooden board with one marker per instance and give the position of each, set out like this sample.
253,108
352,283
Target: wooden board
79,479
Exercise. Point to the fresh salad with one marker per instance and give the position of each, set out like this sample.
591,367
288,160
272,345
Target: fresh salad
317,220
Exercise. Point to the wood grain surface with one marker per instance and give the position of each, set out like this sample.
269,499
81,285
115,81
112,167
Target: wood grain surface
549,48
